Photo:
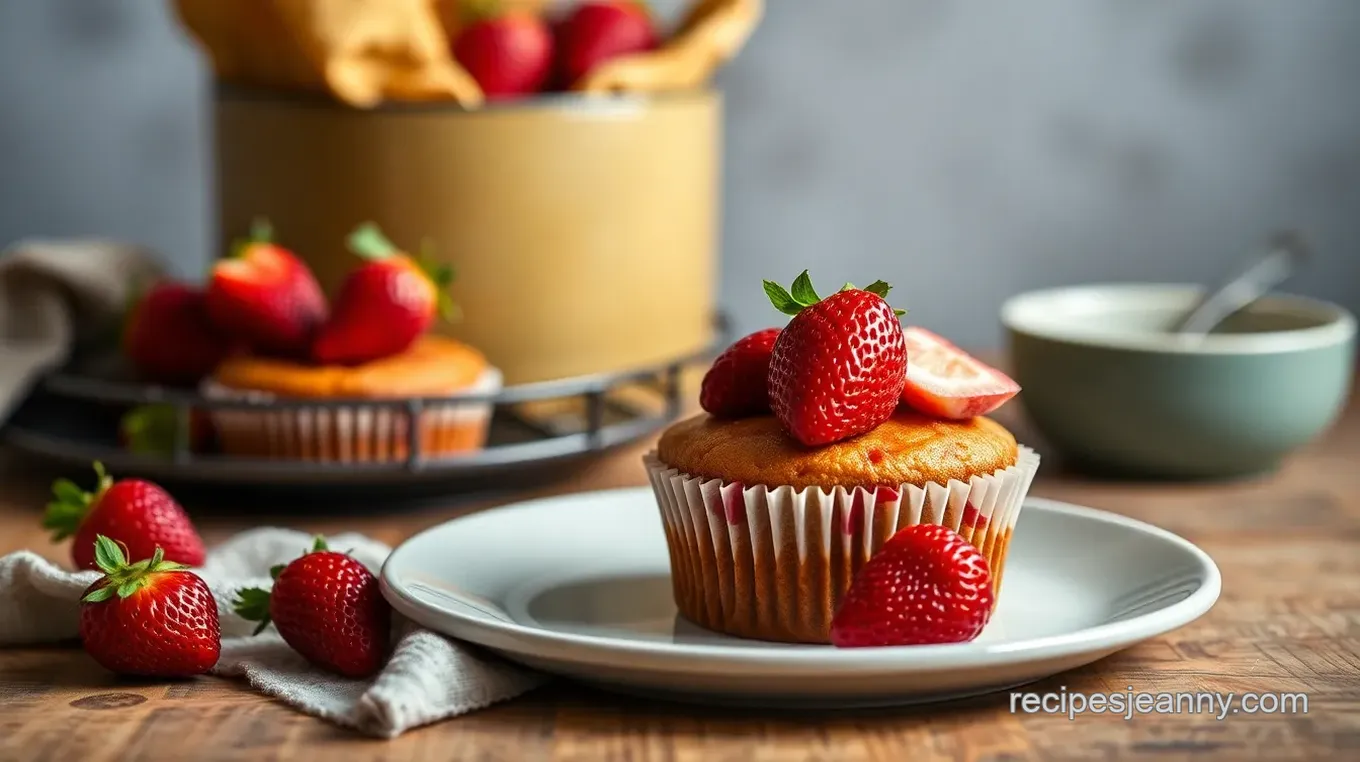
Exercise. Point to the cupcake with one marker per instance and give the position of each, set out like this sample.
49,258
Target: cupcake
819,443
432,367
372,348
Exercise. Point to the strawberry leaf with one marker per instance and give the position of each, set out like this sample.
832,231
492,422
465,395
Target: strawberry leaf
276,570
898,312
67,491
781,299
318,544
102,593
878,288
252,605
150,429
108,556
803,292
368,242
128,588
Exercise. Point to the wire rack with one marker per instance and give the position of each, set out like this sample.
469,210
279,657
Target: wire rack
72,417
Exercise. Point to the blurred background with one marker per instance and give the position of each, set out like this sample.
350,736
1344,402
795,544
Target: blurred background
962,151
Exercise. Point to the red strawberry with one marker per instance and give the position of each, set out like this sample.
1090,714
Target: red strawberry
738,383
169,338
266,297
944,381
838,367
508,52
151,429
384,305
150,619
927,585
328,608
596,32
138,514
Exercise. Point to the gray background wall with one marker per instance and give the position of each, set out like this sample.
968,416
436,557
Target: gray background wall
961,150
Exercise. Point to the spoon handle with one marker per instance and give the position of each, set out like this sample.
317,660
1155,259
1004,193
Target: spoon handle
1286,251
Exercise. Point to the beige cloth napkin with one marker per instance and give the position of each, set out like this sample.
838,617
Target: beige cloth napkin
55,294
428,677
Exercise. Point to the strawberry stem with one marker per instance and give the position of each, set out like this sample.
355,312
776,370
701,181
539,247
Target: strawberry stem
72,504
261,231
121,578
368,242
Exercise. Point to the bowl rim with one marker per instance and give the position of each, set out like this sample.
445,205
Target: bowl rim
1336,325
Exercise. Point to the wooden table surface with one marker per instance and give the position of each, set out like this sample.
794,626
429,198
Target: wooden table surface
1288,621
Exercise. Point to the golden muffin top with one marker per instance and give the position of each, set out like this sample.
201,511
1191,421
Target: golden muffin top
433,366
908,448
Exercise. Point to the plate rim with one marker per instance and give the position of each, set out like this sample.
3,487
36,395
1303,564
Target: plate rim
603,650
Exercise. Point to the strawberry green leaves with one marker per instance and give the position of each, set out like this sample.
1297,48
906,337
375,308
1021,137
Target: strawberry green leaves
252,605
793,301
802,295
72,504
120,577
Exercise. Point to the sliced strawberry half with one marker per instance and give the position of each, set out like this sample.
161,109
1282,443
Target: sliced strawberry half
945,381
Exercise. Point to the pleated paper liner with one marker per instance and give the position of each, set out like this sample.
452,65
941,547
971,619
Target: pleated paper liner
350,434
772,563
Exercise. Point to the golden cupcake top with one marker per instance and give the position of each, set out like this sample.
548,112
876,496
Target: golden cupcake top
908,448
433,365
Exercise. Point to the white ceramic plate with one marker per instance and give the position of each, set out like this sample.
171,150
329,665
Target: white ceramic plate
580,586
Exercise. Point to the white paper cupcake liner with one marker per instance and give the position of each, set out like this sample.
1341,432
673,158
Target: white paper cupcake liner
772,563
350,433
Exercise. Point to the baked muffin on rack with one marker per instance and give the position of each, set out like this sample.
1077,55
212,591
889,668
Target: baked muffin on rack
370,351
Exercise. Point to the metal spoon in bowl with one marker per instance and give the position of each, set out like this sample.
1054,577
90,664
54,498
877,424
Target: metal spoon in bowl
1286,251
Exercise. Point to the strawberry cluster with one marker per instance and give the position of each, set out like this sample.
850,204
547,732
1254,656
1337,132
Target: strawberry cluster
154,617
840,368
843,364
514,52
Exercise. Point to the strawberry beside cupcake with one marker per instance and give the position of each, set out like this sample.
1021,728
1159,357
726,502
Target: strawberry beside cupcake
843,485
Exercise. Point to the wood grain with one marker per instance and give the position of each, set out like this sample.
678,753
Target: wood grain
1288,545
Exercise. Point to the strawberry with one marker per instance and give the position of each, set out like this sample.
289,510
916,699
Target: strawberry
138,514
596,32
384,305
926,585
327,606
738,383
838,368
508,51
151,429
150,619
944,381
169,338
265,296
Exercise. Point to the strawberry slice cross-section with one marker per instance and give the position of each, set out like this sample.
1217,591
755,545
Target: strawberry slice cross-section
945,381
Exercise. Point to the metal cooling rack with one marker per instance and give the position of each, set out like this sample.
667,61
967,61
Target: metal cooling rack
72,417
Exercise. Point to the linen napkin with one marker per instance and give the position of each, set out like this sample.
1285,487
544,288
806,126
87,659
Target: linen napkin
56,294
427,678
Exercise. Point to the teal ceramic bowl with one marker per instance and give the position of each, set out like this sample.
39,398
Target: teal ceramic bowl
1114,391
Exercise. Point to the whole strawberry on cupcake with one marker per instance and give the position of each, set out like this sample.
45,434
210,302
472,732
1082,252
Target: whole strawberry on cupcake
843,485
